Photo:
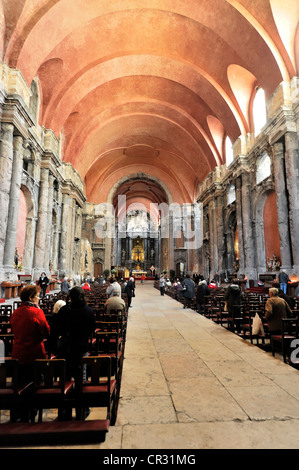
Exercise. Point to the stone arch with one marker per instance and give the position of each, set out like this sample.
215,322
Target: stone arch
259,204
143,176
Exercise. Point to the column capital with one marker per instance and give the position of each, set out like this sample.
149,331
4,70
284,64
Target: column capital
18,143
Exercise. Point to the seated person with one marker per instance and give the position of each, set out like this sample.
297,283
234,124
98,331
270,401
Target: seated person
115,303
276,308
86,286
114,287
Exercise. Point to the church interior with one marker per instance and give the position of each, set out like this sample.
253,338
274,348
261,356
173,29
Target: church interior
147,137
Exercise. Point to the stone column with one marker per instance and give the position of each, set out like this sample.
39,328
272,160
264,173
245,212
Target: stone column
41,229
49,223
248,239
292,173
238,187
63,238
6,163
171,243
14,201
213,240
108,237
71,238
57,235
29,243
282,206
220,230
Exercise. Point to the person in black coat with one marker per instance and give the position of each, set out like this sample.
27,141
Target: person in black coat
43,282
288,299
188,290
74,326
130,290
201,292
233,296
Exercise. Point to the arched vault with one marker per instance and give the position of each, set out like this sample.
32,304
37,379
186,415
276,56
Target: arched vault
150,86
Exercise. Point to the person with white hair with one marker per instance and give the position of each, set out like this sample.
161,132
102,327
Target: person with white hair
115,303
276,308
57,306
65,286
130,290
113,287
201,291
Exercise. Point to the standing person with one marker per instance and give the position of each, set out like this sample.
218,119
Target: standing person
201,292
43,282
77,279
162,284
283,281
189,291
114,287
130,290
75,324
142,279
217,279
233,296
30,328
65,286
276,308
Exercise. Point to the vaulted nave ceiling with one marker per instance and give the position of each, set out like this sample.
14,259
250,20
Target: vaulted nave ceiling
149,88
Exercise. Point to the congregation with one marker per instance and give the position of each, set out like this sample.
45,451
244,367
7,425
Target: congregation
263,314
49,340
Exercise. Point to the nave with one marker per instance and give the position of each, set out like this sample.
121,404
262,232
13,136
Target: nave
189,383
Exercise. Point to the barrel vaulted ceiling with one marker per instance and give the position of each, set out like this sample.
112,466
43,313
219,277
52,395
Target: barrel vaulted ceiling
144,92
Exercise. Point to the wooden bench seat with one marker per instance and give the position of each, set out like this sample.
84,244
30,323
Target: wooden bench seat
53,432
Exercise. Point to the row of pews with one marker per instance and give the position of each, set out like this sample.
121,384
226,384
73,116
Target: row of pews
54,409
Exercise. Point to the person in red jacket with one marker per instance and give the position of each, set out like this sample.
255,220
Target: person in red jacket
86,286
30,328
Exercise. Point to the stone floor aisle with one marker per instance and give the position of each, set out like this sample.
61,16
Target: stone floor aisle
190,384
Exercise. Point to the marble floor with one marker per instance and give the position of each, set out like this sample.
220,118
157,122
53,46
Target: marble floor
188,383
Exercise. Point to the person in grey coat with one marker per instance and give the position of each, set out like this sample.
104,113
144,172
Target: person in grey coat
65,286
188,290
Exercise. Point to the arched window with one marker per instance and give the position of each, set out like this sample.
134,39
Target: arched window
259,111
263,168
231,194
228,151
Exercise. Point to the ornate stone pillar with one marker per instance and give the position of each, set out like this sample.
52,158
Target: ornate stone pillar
41,229
29,244
292,173
171,243
282,206
248,239
63,238
6,163
238,187
213,240
71,238
49,229
57,233
14,201
220,232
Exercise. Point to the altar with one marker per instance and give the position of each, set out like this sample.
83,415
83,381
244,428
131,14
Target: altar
138,273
